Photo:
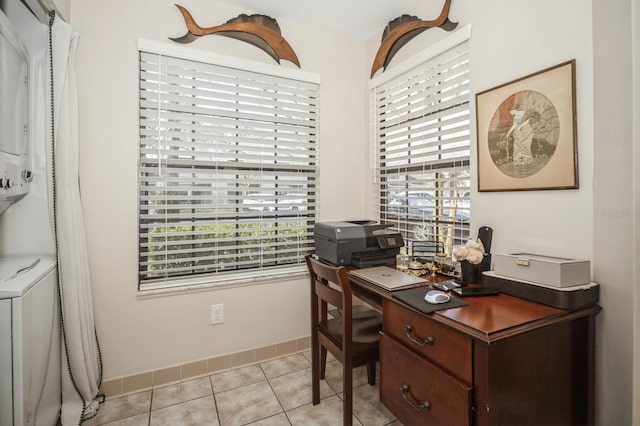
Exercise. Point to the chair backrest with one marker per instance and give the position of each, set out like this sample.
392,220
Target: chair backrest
323,293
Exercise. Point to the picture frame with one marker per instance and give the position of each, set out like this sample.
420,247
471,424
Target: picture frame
526,132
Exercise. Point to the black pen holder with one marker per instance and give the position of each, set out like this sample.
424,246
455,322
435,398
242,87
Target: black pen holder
470,273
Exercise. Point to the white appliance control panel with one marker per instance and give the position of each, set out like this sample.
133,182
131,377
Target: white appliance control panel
14,178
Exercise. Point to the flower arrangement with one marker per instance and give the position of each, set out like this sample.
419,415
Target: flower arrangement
472,252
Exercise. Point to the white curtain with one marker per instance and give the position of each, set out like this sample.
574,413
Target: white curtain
81,363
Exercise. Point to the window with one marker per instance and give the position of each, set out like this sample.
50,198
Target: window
227,171
421,119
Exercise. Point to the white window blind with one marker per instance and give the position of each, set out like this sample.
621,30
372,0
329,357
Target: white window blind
227,172
422,143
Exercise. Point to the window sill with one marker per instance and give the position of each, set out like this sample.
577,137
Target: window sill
219,282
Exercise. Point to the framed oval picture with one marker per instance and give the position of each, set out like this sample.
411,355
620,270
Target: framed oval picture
526,132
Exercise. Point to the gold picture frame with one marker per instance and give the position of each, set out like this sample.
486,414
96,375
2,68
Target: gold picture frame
526,132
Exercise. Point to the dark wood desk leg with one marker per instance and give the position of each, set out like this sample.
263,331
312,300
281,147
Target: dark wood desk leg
315,351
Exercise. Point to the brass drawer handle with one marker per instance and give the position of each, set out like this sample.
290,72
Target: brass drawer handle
426,405
420,342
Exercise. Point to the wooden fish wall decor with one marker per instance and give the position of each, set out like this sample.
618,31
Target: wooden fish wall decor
402,29
259,30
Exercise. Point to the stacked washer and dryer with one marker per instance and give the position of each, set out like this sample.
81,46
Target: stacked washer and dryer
30,335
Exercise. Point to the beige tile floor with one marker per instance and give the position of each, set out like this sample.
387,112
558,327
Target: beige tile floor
270,393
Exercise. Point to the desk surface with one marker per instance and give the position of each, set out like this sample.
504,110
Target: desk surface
486,318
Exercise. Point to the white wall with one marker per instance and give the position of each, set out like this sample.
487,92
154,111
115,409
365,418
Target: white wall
139,335
513,39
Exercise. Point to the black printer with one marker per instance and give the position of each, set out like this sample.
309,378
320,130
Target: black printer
359,243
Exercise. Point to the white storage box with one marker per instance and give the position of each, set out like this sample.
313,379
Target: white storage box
546,270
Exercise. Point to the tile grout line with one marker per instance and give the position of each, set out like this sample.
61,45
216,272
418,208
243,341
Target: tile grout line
274,393
215,401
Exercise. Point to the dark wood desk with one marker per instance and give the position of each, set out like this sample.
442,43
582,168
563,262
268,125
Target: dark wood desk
500,360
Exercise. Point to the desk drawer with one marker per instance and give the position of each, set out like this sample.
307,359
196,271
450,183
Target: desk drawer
417,392
446,347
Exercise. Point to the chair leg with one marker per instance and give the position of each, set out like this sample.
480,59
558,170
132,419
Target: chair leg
323,361
347,388
315,369
371,373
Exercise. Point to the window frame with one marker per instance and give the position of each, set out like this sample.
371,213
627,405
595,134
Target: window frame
236,276
444,213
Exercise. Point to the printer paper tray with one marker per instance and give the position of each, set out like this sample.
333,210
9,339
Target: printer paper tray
368,261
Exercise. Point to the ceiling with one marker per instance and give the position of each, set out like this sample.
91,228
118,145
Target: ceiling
358,19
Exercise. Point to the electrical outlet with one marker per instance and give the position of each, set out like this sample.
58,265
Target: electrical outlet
217,314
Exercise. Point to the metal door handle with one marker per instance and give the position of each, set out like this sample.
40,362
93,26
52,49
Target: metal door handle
425,405
420,342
